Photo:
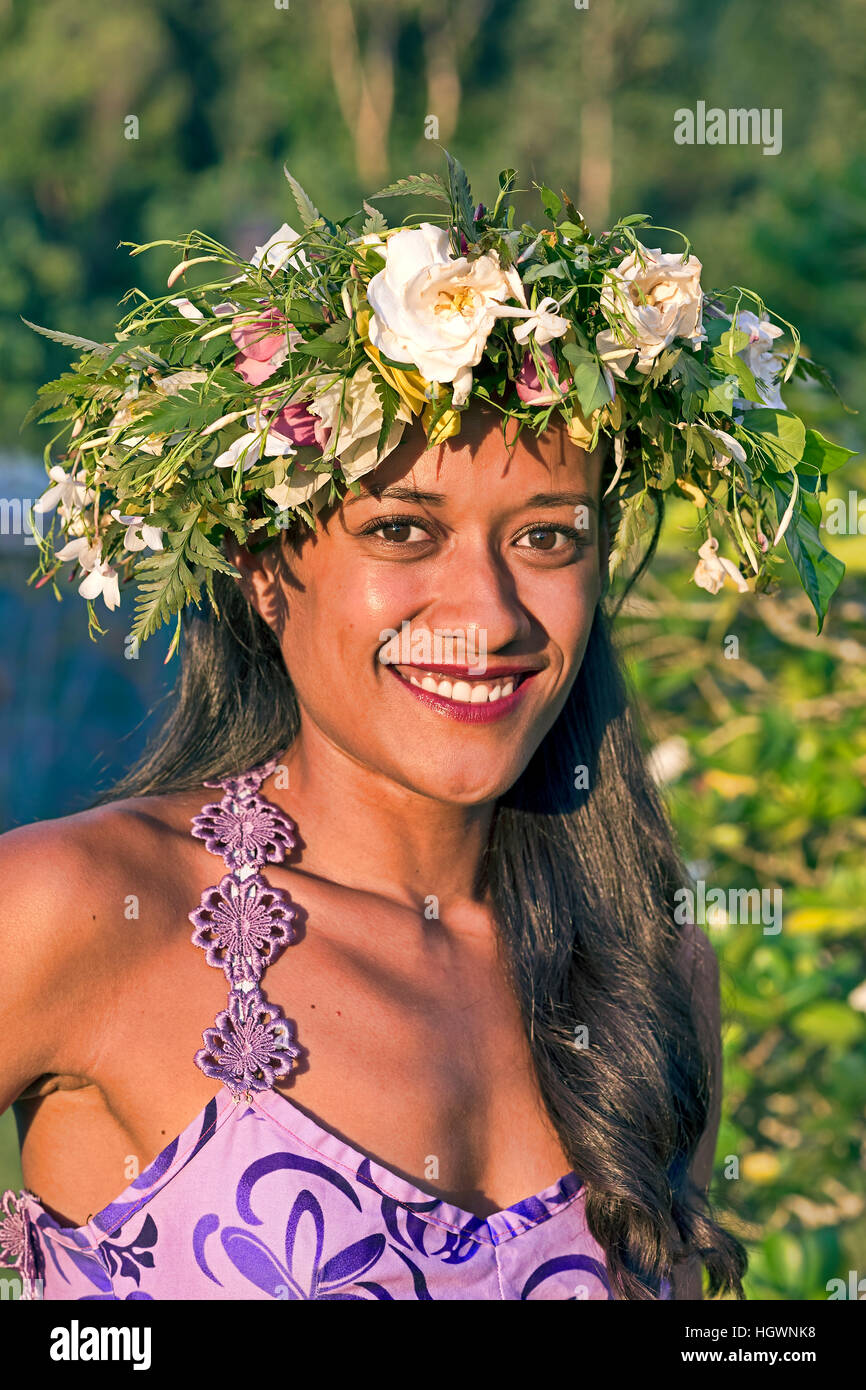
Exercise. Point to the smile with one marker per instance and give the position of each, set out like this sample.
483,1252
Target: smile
459,696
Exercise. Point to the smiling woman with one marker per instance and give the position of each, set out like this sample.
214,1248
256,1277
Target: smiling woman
483,1072
403,476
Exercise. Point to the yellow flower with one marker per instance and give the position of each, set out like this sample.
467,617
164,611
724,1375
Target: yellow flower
579,430
447,425
411,387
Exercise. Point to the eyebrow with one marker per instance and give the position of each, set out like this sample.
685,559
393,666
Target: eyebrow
433,499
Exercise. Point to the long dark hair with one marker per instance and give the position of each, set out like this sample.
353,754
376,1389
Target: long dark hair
582,872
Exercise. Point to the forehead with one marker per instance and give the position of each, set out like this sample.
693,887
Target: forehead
482,463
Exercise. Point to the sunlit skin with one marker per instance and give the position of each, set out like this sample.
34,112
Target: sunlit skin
391,791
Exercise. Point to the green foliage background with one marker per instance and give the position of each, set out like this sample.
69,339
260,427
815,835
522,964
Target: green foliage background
771,745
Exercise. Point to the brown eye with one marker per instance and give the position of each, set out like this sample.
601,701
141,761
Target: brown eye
397,530
544,539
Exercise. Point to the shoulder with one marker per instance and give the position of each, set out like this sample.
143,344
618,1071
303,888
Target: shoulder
64,924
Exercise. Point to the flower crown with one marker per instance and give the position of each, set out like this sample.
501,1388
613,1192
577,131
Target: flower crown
254,399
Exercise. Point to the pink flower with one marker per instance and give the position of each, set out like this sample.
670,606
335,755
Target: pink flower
529,387
261,351
295,422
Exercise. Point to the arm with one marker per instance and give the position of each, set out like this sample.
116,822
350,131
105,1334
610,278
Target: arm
46,955
703,968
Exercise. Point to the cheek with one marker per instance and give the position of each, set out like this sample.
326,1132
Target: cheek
335,622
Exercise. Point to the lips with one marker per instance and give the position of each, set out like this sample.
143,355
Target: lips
452,691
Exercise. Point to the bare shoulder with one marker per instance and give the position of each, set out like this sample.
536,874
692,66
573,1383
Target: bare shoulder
66,887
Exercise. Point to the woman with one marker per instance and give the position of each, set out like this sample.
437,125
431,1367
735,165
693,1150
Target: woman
447,1058
464,1047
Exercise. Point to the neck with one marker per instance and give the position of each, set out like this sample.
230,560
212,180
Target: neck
363,830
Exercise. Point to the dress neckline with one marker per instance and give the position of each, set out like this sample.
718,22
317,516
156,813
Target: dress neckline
356,1166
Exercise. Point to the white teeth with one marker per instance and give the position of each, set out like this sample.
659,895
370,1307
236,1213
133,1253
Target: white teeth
464,692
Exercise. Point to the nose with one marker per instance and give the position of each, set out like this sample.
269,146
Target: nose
478,589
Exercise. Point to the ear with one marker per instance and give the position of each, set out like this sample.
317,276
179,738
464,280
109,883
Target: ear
257,571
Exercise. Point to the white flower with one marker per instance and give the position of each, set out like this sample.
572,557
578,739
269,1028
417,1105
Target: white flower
544,324
188,310
541,320
731,449
294,491
712,569
139,536
74,520
857,998
81,550
355,431
435,310
762,362
658,301
102,579
254,445
68,490
277,250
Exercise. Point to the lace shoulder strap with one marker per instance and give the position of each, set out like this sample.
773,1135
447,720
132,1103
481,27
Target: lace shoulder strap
242,923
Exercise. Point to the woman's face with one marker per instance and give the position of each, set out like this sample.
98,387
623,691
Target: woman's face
433,626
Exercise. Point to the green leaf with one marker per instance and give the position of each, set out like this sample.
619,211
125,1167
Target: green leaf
781,434
507,180
182,411
337,332
68,339
304,311
729,366
375,224
554,270
390,400
720,335
577,226
820,572
426,185
166,581
461,196
115,351
307,211
552,204
824,455
696,382
322,348
207,554
591,387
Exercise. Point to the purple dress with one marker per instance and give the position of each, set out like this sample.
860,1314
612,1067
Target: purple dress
255,1199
